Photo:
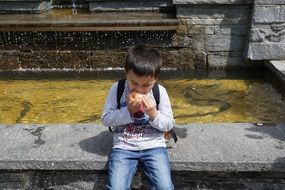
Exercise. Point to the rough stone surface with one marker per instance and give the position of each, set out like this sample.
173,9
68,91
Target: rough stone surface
205,18
212,1
269,2
204,29
266,51
209,156
91,180
269,14
212,11
182,58
277,67
267,33
226,61
276,74
219,43
276,34
212,181
215,29
208,31
239,29
215,21
201,147
258,2
128,5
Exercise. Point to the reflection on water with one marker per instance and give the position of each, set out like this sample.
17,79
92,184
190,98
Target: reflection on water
193,100
225,101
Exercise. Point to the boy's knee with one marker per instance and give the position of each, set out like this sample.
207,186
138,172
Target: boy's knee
117,182
117,186
163,186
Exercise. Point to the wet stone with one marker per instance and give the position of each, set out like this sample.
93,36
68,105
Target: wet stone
30,6
100,59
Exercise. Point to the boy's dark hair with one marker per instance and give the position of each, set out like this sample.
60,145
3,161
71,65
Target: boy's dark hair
143,61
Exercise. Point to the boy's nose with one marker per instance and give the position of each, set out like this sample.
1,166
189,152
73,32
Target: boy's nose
139,90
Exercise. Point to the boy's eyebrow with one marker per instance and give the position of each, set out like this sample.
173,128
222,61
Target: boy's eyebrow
142,84
133,81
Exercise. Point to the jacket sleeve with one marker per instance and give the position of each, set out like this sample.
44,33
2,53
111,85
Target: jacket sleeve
112,116
164,121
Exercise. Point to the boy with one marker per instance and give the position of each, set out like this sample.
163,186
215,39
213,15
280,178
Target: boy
138,125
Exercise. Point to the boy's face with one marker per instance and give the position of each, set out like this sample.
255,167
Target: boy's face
140,84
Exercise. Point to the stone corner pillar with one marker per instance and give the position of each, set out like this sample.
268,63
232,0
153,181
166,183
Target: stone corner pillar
267,34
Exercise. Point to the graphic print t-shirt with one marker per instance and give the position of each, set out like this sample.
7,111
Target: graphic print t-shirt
137,132
140,129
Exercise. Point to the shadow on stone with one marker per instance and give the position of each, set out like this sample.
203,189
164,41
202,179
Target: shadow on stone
80,179
274,130
103,142
100,144
279,163
180,132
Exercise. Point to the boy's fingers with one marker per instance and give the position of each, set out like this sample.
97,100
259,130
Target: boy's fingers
134,105
133,102
144,102
148,104
147,101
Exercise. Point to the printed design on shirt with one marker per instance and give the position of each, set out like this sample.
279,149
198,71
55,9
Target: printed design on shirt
139,128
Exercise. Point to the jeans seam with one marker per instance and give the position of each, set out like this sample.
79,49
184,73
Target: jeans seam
150,176
133,174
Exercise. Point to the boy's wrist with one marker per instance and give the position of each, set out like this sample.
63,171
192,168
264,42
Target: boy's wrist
152,115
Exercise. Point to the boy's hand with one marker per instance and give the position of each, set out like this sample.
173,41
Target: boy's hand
149,107
134,102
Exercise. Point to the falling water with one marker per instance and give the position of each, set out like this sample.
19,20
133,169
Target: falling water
74,9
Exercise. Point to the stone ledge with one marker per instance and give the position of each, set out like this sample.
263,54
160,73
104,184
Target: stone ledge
221,147
266,51
278,68
129,5
212,2
27,6
64,20
268,14
269,2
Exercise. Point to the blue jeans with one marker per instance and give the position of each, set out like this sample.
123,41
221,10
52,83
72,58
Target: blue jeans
123,166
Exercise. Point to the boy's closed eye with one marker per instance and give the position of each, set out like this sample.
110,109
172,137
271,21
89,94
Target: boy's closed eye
143,85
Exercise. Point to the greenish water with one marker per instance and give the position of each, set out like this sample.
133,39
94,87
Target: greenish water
217,98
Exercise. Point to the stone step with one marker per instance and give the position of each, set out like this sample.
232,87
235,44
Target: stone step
66,20
129,5
276,74
27,6
211,155
222,147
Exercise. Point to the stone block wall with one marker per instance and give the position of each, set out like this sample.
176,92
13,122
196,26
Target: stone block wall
216,28
183,180
224,34
267,33
88,50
